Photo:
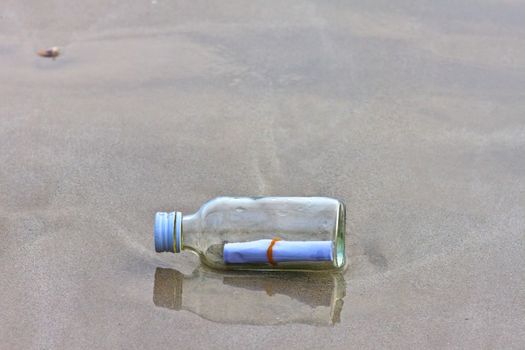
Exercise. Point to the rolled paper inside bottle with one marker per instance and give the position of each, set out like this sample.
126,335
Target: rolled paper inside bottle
281,251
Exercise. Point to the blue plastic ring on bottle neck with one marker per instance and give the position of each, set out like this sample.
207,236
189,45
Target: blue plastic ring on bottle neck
164,232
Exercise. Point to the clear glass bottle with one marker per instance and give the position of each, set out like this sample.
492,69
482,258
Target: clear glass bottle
261,233
253,298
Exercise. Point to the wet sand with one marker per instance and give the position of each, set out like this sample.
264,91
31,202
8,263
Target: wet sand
412,114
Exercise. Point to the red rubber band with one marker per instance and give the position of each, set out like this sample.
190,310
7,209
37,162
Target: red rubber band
269,252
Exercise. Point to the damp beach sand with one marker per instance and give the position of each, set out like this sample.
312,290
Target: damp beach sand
412,114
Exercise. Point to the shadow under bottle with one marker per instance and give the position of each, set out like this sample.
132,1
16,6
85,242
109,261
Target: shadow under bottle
253,297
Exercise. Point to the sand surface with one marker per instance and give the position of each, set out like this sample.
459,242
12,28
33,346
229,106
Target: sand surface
413,113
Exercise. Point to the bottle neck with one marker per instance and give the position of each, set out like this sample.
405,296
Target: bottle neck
190,231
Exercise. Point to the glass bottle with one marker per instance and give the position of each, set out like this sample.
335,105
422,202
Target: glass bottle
261,233
253,298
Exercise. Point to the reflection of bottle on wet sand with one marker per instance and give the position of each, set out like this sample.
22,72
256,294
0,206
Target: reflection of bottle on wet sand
253,298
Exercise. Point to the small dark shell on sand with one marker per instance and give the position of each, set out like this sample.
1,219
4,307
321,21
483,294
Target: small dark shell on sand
51,52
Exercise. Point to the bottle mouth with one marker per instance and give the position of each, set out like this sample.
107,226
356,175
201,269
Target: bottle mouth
168,231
